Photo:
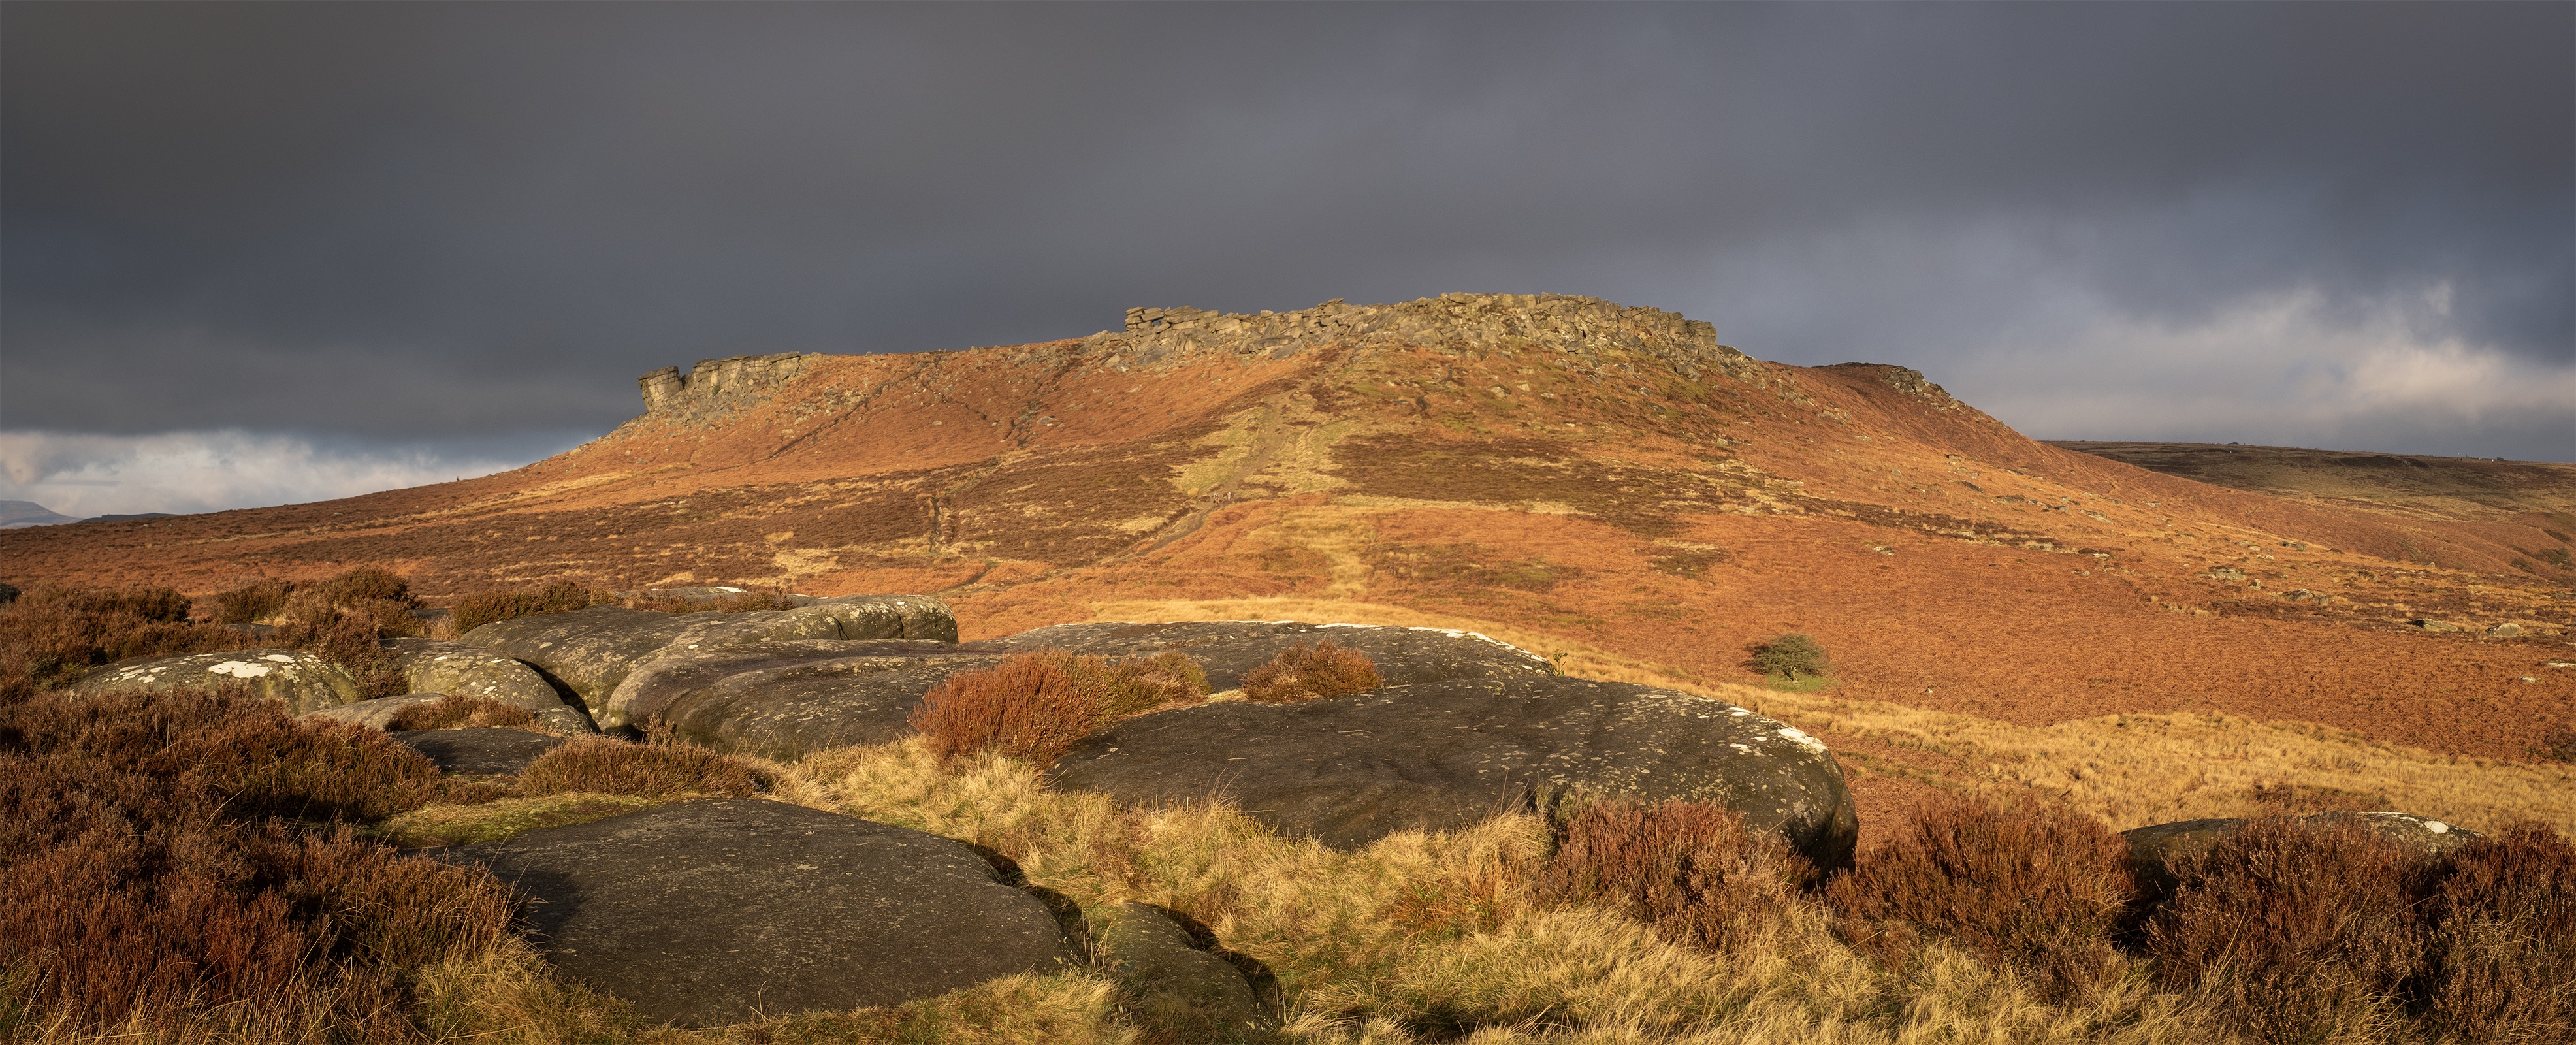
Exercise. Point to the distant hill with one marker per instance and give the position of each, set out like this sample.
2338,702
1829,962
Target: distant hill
1560,469
14,514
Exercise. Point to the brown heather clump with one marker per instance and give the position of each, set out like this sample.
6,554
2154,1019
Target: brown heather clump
2041,888
456,711
1038,705
484,607
2501,961
1690,869
253,602
53,635
619,767
1304,672
162,877
2295,932
743,603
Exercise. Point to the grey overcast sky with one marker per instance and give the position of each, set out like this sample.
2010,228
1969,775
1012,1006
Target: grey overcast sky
253,253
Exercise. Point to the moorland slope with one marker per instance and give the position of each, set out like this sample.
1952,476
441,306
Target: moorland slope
1604,484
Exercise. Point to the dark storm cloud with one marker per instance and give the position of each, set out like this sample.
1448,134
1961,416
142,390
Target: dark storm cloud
418,221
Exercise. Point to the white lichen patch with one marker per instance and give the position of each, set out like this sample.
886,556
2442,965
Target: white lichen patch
240,669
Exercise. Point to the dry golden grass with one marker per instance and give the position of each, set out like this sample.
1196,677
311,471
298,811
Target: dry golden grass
2130,770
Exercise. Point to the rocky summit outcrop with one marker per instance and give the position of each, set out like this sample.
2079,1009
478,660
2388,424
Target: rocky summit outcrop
1568,322
1440,755
716,911
432,666
589,652
300,680
717,387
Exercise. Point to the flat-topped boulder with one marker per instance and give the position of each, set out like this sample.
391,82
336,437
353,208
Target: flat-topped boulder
1229,650
463,669
790,698
590,651
487,751
1443,755
301,681
717,911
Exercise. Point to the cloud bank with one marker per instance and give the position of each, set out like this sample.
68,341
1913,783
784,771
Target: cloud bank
187,472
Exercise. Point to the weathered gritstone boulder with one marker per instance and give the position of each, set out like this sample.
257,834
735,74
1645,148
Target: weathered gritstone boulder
431,666
488,751
590,651
787,699
1443,755
378,713
1229,650
711,912
2155,849
300,680
1179,985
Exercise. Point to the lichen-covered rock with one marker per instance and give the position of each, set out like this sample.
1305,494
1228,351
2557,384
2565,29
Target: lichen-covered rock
788,698
1229,650
1178,987
431,666
300,680
1442,755
2155,849
713,912
378,713
488,751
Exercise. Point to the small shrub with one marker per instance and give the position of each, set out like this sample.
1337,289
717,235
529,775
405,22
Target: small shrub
1304,672
53,635
2294,932
2501,957
253,602
1038,705
619,767
481,608
457,711
155,886
1690,869
2040,888
1790,656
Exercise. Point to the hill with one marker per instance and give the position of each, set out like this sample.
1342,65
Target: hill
1605,484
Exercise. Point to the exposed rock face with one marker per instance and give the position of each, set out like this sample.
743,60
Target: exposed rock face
790,698
378,713
590,651
1442,755
708,912
300,680
2155,849
1571,323
1197,994
431,666
478,752
717,387
1229,650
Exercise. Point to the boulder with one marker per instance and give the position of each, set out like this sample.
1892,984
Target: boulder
1440,755
300,680
590,651
431,666
717,911
378,713
2506,630
2155,849
1181,988
789,698
1229,650
478,752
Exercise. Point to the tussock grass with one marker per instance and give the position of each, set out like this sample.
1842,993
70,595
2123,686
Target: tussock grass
458,711
619,767
1310,672
1036,706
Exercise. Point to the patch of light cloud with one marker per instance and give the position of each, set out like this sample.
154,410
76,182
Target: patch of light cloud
182,473
2284,368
